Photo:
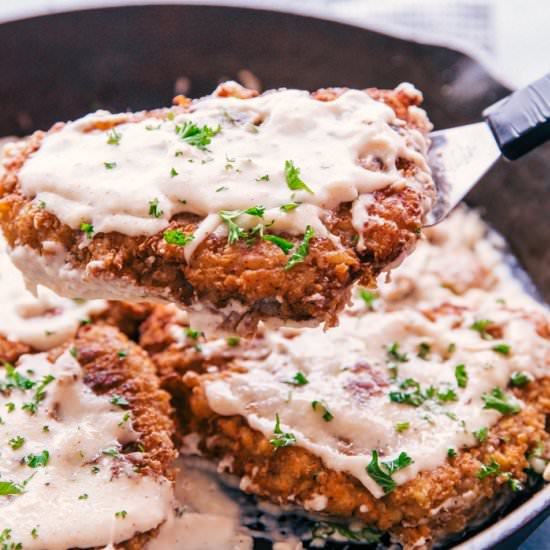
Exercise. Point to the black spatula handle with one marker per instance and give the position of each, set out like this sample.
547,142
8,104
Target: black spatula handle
521,121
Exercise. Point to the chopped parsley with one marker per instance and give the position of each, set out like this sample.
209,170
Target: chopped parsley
112,452
302,250
190,333
289,206
235,231
10,488
222,188
402,426
37,461
503,349
34,533
10,406
520,378
451,453
109,165
122,353
322,407
293,180
83,496
87,228
114,137
177,237
461,376
393,352
492,469
173,172
283,244
125,418
195,135
451,348
14,379
16,442
39,394
368,297
154,210
482,434
382,472
95,470
122,514
299,379
447,394
119,401
424,350
41,204
233,341
324,529
499,401
514,484
481,326
283,439
263,178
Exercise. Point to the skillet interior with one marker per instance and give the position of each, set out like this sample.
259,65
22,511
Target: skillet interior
60,66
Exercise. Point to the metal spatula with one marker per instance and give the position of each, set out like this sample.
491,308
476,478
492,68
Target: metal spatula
459,157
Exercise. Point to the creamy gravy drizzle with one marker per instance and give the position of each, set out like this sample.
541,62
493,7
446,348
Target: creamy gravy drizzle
81,426
42,321
347,367
325,140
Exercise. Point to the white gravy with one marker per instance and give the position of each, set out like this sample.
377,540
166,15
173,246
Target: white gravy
82,497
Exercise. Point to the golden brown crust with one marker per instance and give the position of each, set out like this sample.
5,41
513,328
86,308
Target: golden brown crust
253,274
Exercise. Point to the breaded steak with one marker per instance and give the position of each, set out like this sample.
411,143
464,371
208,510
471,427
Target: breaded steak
237,206
86,429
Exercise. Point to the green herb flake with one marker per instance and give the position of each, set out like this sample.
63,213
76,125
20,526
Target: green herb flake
112,452
233,341
424,350
482,434
461,376
283,244
87,228
481,326
235,231
177,237
263,178
520,378
402,426
119,401
368,297
451,453
190,333
492,469
34,533
382,472
289,206
299,379
83,497
283,439
393,352
196,136
16,442
122,514
154,210
122,353
37,461
10,488
173,172
114,137
293,180
503,349
109,165
302,250
322,407
499,401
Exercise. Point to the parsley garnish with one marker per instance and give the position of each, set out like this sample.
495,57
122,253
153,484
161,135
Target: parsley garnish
122,514
481,326
39,394
393,352
482,434
302,251
177,237
87,228
519,378
190,333
323,408
83,497
461,376
112,452
402,426
119,401
283,244
293,180
451,453
500,401
196,136
114,137
299,379
382,472
173,172
16,442
34,533
324,529
154,210
235,231
447,394
109,165
37,461
289,206
503,349
263,178
233,341
14,379
122,354
10,488
283,439
368,297
487,470
424,350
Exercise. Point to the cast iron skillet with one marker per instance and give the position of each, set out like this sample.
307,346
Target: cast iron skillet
58,67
